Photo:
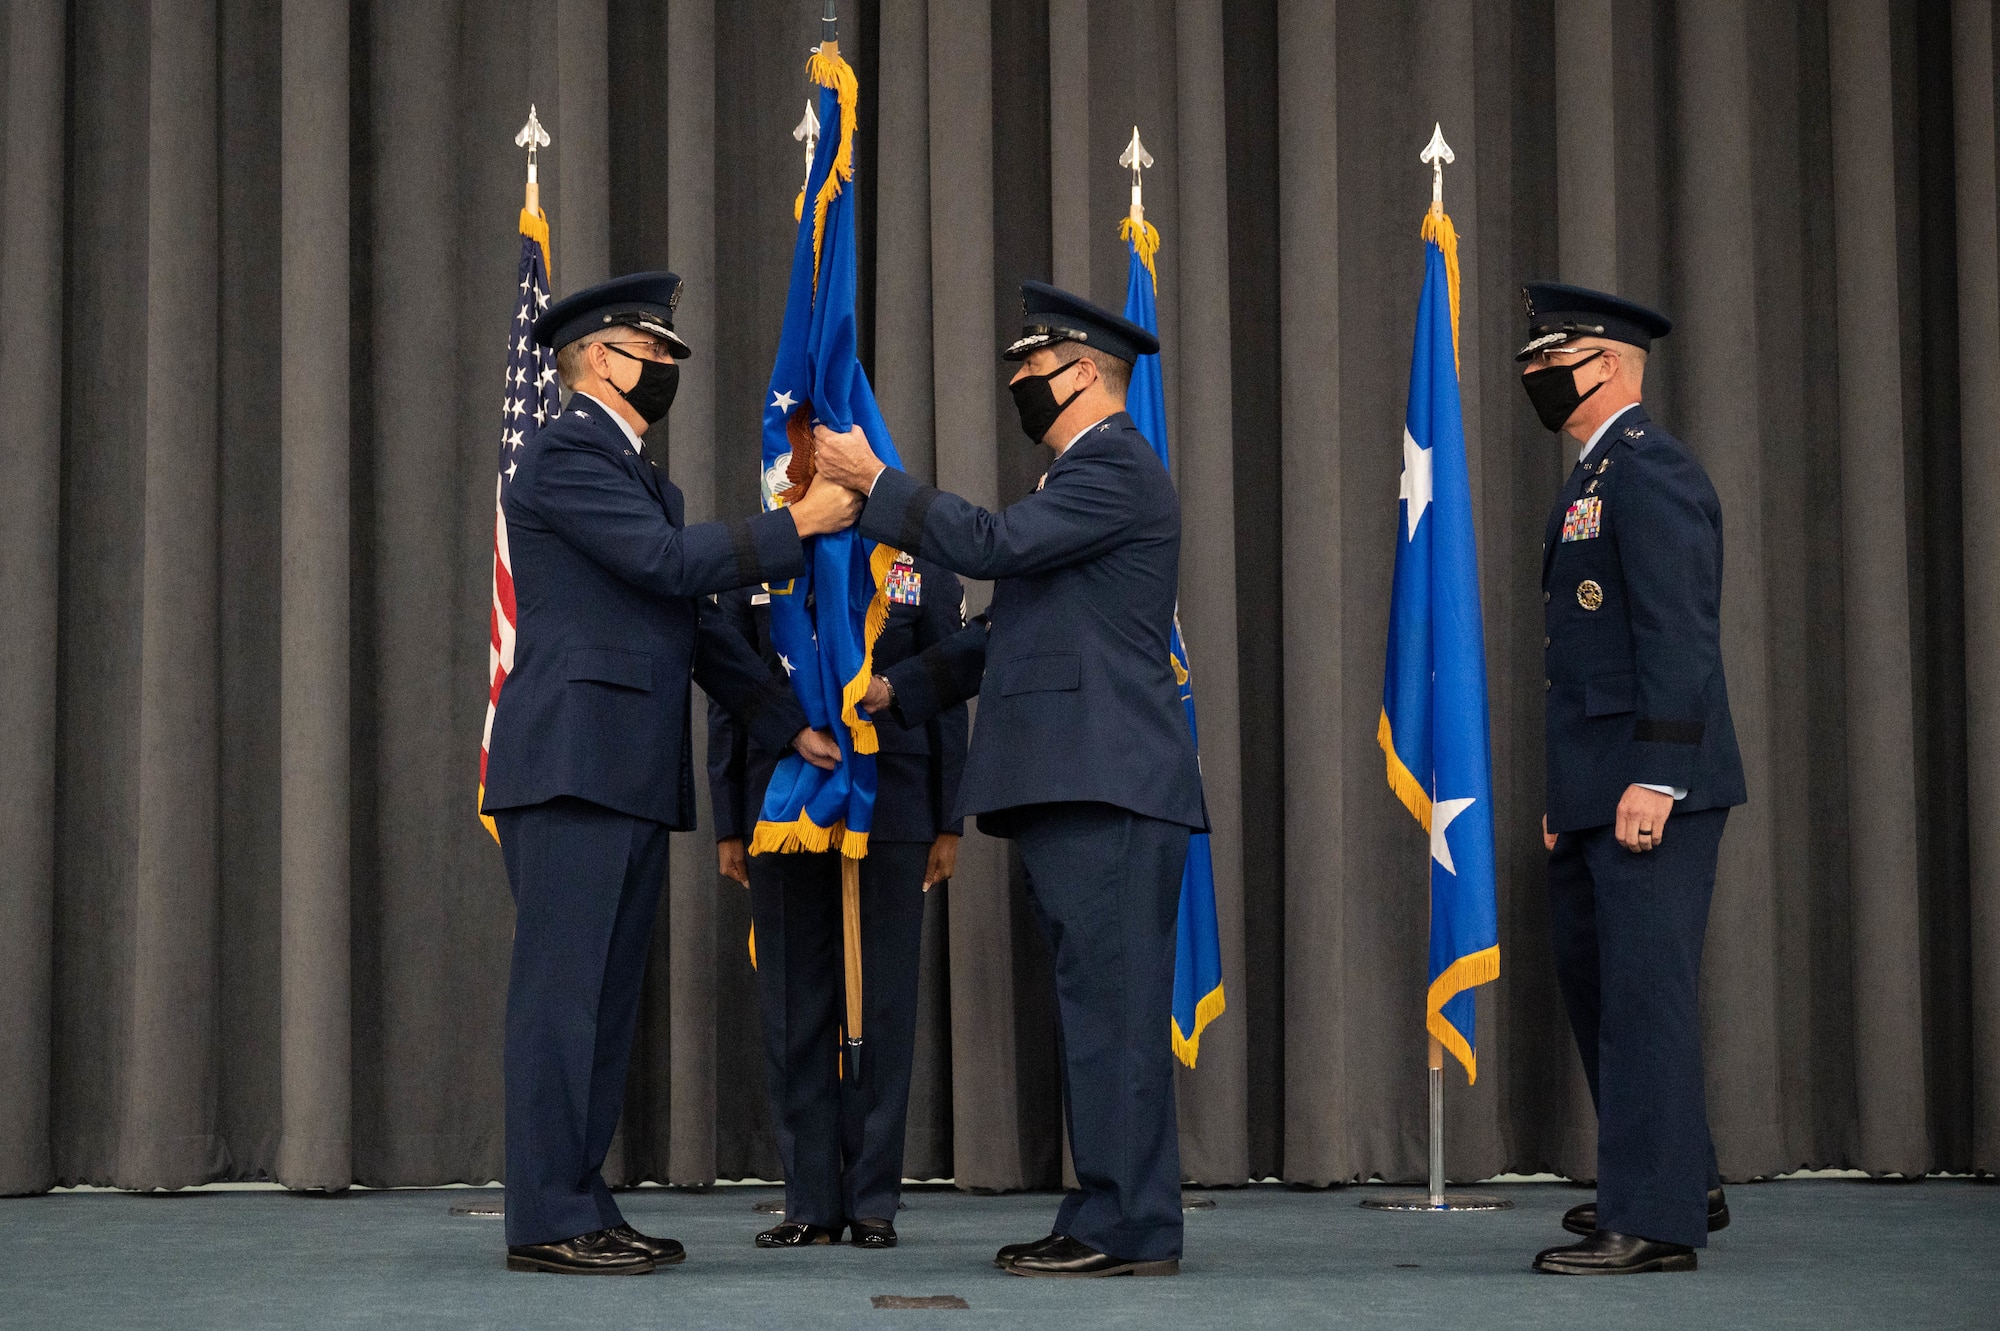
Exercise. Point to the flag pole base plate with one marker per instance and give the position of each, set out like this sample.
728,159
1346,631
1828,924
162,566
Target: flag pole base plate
1424,1201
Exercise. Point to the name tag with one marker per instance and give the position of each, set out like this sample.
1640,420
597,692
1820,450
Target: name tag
760,598
1584,520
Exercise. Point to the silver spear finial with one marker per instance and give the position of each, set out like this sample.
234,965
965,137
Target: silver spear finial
1437,153
532,137
1136,157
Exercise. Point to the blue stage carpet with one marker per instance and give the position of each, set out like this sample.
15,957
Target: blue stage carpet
1818,1254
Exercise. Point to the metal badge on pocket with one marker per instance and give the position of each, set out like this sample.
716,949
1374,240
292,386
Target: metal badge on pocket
1589,595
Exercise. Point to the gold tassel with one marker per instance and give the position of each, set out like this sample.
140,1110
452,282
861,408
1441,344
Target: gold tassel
1145,238
828,70
535,226
1438,228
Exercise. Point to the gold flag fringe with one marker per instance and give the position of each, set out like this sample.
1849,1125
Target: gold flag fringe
1188,1047
1408,789
803,835
1468,972
863,730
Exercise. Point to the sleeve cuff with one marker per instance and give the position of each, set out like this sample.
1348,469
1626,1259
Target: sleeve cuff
1678,792
895,511
914,685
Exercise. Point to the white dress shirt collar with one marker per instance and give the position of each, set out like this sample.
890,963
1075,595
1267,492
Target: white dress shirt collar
1600,432
1084,431
638,445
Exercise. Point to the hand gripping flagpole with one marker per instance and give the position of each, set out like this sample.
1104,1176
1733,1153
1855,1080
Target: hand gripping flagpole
1436,154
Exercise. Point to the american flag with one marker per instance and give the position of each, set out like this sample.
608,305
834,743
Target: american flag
531,397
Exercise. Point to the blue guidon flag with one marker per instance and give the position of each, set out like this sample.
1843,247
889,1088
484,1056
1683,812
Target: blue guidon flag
1434,726
1197,939
824,624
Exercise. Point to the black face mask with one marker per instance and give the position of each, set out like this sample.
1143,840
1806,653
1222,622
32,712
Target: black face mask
1036,402
1553,391
654,392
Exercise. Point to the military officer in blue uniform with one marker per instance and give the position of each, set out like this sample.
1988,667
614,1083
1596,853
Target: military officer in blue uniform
590,763
1642,773
1082,752
841,1143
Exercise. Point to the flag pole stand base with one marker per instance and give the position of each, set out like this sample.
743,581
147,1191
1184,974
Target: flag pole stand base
1450,1201
1436,1198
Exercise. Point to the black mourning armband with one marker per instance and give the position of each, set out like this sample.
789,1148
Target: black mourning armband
743,542
910,538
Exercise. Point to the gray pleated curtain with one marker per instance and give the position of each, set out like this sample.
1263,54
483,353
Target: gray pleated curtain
256,267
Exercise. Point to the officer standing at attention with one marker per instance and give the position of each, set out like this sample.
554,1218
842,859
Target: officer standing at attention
1082,753
590,763
841,1145
1639,737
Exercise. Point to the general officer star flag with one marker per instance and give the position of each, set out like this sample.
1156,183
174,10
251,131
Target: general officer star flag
1434,728
824,624
1198,941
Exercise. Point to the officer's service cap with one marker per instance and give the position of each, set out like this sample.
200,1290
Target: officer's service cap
1050,315
1558,312
644,301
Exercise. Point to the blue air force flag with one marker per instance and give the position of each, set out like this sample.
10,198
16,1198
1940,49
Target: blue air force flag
1198,941
1433,729
824,623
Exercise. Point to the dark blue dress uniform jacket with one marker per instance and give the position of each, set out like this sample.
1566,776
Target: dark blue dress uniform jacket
1635,685
918,768
1078,700
608,591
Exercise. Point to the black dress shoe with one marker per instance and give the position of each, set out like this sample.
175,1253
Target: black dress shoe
664,1252
1583,1219
873,1233
1067,1257
602,1252
1006,1256
1606,1253
797,1234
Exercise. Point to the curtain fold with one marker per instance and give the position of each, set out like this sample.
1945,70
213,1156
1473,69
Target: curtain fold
32,138
252,317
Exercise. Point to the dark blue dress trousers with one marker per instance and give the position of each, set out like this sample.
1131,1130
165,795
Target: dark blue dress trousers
1105,883
1628,930
586,883
841,1143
